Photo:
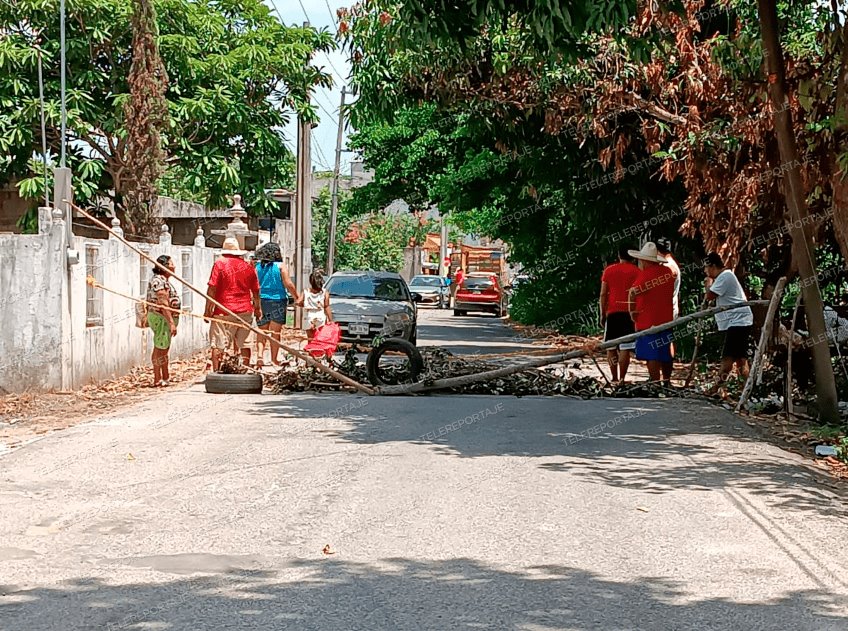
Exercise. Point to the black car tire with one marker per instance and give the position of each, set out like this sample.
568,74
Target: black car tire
399,345
413,339
219,383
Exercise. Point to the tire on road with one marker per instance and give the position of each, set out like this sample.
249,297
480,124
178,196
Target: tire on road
378,377
218,383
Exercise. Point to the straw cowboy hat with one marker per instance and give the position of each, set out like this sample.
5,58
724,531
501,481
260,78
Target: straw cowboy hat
231,246
647,253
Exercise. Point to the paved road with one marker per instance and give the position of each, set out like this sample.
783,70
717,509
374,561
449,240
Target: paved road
197,512
473,334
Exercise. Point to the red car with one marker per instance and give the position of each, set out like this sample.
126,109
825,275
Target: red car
479,292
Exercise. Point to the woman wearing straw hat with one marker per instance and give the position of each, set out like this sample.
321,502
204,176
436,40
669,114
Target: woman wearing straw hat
652,304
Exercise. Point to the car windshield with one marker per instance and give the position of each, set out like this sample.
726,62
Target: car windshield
426,281
477,283
367,287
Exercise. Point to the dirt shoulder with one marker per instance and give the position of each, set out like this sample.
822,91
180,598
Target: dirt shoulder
27,415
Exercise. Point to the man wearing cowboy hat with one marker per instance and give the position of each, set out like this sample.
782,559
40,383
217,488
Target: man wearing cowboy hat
652,304
233,283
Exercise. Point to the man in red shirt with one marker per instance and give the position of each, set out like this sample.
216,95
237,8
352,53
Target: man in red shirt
652,304
616,282
233,283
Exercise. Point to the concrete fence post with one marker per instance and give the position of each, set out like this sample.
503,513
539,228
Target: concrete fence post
200,240
165,236
60,245
45,219
116,228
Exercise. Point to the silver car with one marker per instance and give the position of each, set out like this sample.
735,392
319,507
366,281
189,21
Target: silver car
367,304
432,289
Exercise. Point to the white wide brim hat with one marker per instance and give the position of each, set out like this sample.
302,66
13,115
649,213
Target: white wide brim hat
647,253
231,246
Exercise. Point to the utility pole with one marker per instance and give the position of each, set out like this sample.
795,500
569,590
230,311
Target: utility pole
303,212
303,208
331,244
62,187
443,246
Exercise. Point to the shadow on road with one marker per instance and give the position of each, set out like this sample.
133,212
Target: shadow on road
330,593
646,445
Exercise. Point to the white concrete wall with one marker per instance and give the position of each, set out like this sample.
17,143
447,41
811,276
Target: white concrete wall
46,342
30,311
116,345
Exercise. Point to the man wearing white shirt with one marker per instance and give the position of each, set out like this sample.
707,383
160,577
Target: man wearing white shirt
723,287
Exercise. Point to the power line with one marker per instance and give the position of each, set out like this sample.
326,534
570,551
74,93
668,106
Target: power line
333,66
326,111
309,21
325,163
333,17
300,2
330,61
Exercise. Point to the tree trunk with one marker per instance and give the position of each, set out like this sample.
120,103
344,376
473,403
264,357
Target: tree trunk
146,115
796,201
839,180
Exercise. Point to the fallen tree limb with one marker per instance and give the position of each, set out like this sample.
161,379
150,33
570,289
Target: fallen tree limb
303,356
453,382
790,350
694,361
765,334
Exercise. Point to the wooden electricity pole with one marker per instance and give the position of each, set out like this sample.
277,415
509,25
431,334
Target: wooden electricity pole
331,243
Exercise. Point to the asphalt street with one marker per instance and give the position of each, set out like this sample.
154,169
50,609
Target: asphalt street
333,512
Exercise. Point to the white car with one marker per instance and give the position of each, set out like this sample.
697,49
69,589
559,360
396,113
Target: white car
433,289
367,304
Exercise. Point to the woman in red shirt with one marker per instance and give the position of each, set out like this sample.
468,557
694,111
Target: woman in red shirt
652,304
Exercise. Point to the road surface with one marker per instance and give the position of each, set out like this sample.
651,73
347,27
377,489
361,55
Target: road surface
192,511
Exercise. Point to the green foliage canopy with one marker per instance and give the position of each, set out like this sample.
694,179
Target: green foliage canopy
234,71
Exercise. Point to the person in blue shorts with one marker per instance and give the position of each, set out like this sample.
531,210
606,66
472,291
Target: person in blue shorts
275,286
652,304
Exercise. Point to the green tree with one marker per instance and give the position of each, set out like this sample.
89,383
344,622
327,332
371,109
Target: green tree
146,115
234,69
408,154
680,86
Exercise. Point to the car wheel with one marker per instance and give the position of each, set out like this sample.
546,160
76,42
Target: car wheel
219,383
385,376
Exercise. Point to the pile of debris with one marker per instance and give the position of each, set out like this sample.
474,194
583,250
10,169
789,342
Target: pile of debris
231,364
440,363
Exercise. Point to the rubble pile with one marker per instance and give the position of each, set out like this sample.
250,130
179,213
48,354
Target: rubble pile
441,364
231,364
